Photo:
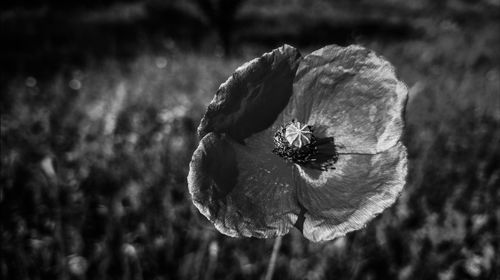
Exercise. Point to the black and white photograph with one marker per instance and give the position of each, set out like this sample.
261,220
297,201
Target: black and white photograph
250,139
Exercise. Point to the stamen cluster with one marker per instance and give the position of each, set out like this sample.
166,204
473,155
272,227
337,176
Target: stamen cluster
319,153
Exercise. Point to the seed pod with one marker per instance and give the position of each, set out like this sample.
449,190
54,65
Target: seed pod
298,134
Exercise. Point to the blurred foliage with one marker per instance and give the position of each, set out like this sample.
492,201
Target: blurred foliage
222,16
95,153
43,37
60,5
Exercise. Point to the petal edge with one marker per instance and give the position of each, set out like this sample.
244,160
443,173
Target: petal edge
251,99
336,205
242,190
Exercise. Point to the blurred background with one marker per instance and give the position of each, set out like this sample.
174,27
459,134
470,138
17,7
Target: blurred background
100,101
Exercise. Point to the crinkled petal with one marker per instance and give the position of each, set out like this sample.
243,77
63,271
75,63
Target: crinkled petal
242,189
346,198
351,94
251,99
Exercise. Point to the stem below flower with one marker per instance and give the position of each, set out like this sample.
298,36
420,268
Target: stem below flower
272,261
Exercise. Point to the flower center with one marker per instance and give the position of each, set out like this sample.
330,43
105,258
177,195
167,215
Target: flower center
298,134
296,142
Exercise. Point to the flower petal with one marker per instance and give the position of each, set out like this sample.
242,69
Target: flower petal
351,94
251,99
243,189
345,199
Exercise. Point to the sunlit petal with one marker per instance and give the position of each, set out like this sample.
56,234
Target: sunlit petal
350,94
243,189
346,198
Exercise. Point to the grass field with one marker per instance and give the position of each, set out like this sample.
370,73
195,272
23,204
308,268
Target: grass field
94,164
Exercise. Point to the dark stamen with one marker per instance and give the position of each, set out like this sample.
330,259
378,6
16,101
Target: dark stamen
320,153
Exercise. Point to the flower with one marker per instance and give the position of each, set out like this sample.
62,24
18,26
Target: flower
312,142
